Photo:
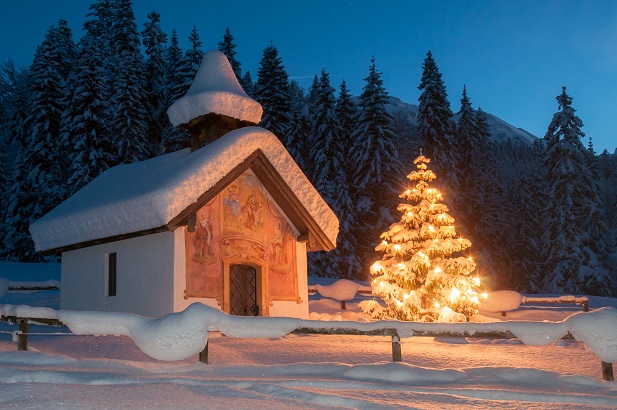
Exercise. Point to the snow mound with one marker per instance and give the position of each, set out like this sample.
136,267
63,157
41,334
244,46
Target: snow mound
172,337
342,289
215,89
598,330
501,301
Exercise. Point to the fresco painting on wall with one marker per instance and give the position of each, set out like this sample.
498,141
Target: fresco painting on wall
204,276
282,278
242,223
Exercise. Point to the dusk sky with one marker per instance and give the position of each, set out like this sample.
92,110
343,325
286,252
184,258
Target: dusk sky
513,56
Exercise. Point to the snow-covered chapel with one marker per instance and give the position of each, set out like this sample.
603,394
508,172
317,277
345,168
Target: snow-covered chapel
227,224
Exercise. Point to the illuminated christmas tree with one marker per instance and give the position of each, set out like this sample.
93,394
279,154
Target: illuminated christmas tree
423,275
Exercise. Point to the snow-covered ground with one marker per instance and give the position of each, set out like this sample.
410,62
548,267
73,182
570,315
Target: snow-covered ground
297,371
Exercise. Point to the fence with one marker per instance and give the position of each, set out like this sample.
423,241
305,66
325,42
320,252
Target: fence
607,368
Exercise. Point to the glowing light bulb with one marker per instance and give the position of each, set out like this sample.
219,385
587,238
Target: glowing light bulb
484,295
397,247
401,266
431,228
454,294
410,214
408,191
405,296
381,284
442,216
437,305
376,267
438,269
476,281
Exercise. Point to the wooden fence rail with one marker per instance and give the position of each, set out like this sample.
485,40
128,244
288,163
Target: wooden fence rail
607,368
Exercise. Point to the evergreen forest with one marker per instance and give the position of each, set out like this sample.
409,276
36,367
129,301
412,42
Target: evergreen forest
540,214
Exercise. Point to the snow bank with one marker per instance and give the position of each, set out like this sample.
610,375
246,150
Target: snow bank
598,330
501,301
149,194
215,89
180,335
340,290
28,311
173,337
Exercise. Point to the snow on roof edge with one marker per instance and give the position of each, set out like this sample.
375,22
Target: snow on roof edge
164,188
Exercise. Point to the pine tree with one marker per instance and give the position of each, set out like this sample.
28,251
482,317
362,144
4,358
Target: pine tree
376,162
128,98
45,157
272,92
577,252
374,150
300,128
435,124
184,71
16,192
85,131
422,275
330,179
527,244
479,196
154,40
346,112
228,48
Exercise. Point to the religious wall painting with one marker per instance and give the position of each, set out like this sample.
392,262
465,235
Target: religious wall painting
243,208
242,223
282,277
204,273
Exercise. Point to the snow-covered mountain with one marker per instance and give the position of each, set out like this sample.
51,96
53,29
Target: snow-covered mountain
500,130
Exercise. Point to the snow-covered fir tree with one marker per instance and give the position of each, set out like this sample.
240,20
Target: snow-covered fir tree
577,248
39,178
478,199
45,157
300,128
435,125
526,244
16,191
330,180
172,138
374,149
346,112
227,47
376,160
85,132
184,72
423,275
272,92
128,94
154,40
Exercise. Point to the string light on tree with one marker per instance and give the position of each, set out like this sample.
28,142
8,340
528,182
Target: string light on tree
423,275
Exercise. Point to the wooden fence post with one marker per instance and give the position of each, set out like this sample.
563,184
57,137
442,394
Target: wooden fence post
396,348
22,336
607,371
203,355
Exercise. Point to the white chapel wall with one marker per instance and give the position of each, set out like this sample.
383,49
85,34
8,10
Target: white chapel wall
145,276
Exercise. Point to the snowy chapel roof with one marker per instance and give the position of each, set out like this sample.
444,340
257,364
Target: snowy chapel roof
149,196
215,89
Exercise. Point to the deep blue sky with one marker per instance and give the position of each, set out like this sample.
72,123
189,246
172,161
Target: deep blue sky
514,56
